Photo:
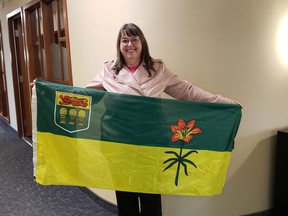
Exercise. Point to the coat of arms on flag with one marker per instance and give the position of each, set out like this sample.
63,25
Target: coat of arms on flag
92,138
72,111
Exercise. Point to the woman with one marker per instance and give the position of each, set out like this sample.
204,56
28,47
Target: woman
135,72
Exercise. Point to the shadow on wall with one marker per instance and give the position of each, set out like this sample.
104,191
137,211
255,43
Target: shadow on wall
251,176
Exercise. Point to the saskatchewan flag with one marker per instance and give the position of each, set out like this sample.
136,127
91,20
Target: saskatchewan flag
91,138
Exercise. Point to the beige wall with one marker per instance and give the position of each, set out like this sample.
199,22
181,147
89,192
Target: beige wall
224,46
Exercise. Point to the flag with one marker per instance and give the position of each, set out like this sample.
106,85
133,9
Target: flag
97,139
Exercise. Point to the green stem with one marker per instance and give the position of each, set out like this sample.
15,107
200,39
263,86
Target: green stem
179,161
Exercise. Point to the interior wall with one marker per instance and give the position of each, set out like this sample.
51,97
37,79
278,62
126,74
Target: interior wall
224,46
230,47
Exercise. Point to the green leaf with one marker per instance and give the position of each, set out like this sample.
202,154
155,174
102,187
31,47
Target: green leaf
188,153
170,159
172,152
185,168
171,164
190,162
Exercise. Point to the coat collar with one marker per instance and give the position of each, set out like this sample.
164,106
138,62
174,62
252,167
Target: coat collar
135,80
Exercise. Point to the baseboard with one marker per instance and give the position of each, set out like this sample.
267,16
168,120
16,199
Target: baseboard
111,207
268,212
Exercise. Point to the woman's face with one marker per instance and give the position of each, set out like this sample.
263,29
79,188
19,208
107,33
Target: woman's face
131,49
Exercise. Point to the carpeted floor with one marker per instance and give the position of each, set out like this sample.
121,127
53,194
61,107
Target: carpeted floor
20,195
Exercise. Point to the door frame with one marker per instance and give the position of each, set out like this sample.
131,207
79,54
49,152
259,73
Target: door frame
22,90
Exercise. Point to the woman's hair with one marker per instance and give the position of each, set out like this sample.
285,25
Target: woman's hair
131,30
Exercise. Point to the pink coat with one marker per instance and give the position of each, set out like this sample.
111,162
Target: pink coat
139,83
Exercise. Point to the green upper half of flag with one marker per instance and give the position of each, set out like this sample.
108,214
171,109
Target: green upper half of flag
138,120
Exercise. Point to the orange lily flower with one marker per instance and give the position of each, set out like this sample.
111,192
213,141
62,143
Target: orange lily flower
184,132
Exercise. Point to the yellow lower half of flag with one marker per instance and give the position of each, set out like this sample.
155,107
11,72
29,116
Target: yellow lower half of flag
126,167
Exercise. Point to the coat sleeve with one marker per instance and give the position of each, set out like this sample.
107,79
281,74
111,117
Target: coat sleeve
97,82
181,89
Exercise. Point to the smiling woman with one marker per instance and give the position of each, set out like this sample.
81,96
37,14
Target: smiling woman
149,77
